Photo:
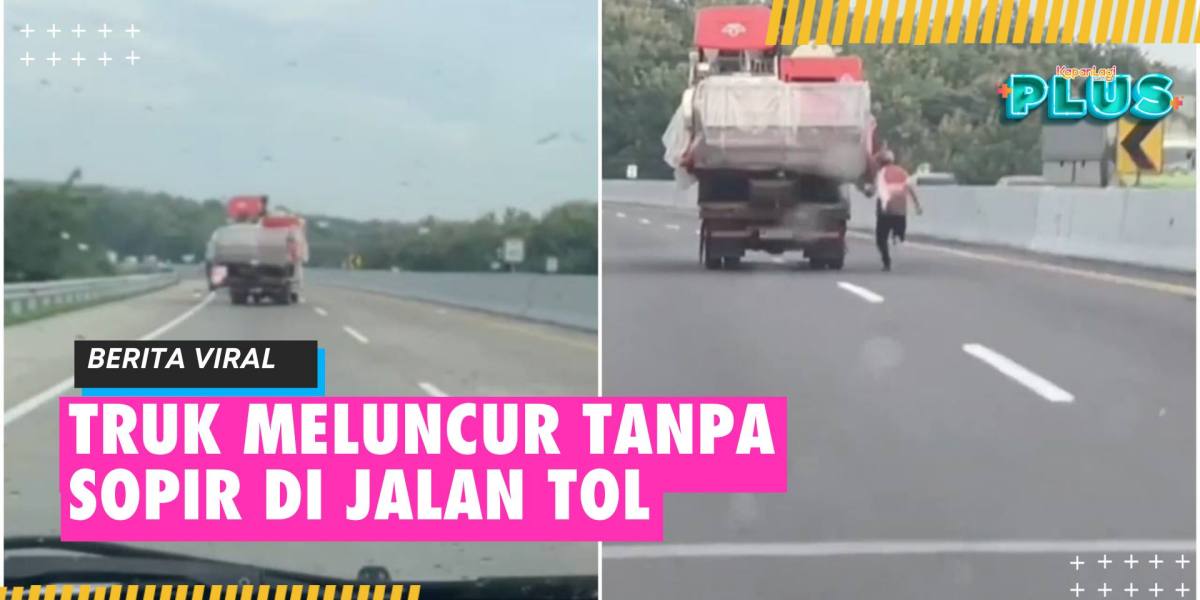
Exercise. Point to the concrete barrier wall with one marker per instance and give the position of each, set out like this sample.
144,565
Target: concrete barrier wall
565,300
1152,228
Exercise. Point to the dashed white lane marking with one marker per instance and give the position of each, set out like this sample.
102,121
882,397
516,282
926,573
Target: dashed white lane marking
356,335
320,311
672,227
1040,385
431,389
861,292
54,391
888,547
620,215
644,221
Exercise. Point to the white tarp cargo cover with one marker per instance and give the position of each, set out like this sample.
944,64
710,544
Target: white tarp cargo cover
250,243
765,123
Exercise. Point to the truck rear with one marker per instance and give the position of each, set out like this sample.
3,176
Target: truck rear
771,141
262,260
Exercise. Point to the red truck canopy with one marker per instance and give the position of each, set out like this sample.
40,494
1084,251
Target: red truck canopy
817,69
733,28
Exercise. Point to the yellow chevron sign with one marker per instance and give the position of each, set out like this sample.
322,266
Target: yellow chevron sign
214,592
1139,146
921,22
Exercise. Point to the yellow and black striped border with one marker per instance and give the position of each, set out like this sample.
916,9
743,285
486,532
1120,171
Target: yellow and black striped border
215,592
1050,22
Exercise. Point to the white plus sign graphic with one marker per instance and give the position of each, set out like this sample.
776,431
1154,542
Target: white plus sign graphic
54,59
1104,562
1104,590
27,30
78,60
1130,590
1078,590
104,30
78,31
1155,589
1157,561
54,31
105,58
27,59
133,31
1183,590
132,58
1076,562
1182,562
1130,561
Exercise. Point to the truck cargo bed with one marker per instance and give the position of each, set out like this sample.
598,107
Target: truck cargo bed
760,124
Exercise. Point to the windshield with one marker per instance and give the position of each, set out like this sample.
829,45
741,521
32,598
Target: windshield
414,138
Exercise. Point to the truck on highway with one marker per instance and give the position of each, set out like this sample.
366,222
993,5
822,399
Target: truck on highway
258,255
771,141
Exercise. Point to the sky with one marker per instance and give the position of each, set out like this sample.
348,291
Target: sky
368,109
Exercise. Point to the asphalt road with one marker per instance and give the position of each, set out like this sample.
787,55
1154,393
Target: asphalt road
961,427
375,345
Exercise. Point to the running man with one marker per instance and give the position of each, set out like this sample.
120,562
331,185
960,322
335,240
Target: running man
893,189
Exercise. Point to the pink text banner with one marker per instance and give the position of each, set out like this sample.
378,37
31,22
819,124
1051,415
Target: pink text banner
405,469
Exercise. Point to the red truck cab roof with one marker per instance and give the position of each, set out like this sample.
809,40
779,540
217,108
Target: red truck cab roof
733,28
246,208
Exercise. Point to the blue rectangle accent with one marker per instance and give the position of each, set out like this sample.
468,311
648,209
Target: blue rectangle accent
221,392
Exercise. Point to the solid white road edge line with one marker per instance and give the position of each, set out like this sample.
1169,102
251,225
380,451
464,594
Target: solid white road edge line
888,547
431,389
1040,385
54,391
861,292
1149,284
362,339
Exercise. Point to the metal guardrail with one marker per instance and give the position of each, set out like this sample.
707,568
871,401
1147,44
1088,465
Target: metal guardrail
29,300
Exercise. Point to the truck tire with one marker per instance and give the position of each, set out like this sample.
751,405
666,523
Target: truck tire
237,297
284,296
837,263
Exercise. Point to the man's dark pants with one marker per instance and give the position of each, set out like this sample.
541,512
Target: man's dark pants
885,225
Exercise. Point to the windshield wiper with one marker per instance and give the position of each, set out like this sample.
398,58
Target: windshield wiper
45,560
40,560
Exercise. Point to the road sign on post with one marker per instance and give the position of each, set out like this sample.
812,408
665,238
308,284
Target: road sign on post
1139,146
551,264
514,251
631,172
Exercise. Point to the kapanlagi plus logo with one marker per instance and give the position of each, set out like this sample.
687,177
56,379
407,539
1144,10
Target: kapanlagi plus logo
1106,94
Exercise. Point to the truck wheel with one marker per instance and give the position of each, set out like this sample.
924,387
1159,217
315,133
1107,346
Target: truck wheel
712,263
237,297
837,263
732,262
